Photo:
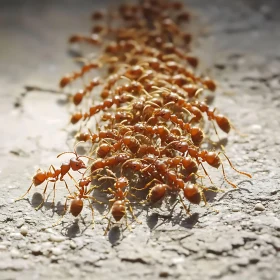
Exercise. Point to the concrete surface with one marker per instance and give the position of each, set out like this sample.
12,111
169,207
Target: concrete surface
239,42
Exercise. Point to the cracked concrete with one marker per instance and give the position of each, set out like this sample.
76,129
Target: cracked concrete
238,42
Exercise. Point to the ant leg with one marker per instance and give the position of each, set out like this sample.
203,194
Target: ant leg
108,226
238,131
134,196
43,200
66,186
133,215
226,179
64,212
240,172
54,192
205,201
106,177
126,222
94,199
20,198
185,207
92,213
105,216
217,134
207,174
147,185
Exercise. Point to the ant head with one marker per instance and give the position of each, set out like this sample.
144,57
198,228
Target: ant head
182,146
77,164
121,182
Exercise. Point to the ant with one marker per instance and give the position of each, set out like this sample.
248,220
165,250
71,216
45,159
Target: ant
211,158
78,97
77,203
195,132
222,121
54,175
109,161
117,100
120,202
94,39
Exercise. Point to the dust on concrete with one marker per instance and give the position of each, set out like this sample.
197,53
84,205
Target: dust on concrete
240,46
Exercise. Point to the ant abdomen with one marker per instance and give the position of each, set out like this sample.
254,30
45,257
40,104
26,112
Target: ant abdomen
197,135
76,207
223,123
118,210
76,118
39,178
190,165
78,97
103,150
213,159
157,192
192,194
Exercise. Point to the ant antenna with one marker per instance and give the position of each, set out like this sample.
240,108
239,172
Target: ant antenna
75,152
240,172
76,183
226,179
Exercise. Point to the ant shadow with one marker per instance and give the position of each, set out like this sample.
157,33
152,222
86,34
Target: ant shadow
114,235
179,218
62,101
38,202
72,230
75,53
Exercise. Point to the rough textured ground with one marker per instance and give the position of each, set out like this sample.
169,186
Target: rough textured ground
239,42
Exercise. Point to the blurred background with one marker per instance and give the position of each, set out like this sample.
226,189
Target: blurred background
238,43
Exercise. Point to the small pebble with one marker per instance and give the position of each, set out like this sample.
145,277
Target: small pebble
24,230
259,207
36,250
163,274
56,251
73,245
15,253
20,222
2,247
234,268
235,209
56,238
16,235
49,230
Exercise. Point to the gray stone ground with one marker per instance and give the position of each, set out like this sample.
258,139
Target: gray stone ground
239,41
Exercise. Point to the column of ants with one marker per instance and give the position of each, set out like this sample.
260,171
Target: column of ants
151,118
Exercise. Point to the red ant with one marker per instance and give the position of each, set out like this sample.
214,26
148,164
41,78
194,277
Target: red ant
109,162
222,121
77,203
98,15
195,132
120,202
75,164
211,158
94,39
117,100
